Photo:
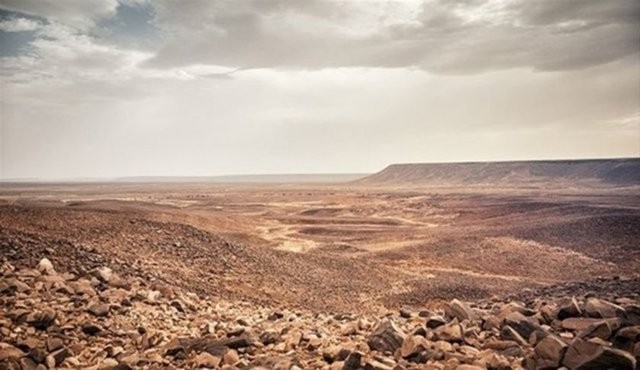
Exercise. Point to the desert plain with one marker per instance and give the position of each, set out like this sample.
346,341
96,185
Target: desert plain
325,266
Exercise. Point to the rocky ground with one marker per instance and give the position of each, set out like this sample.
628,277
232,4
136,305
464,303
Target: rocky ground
213,277
99,319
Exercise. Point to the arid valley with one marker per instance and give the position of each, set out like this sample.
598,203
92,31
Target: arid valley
326,263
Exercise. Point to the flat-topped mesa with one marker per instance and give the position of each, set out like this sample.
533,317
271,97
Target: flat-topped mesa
606,172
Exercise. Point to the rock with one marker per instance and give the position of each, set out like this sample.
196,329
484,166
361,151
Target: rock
459,310
549,352
435,321
57,357
413,345
451,332
99,310
208,360
41,319
510,334
626,338
231,357
520,323
578,323
405,313
353,361
269,337
387,337
9,352
54,344
587,355
602,309
601,329
571,309
46,267
91,329
108,364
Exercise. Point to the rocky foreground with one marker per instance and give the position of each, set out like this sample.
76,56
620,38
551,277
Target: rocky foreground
54,319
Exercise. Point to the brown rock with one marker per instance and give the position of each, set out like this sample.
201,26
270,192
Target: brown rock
435,321
585,355
99,310
601,329
549,352
231,357
9,352
58,356
451,332
387,337
54,344
522,324
460,310
353,361
205,359
625,338
41,319
578,323
571,309
510,334
602,309
413,345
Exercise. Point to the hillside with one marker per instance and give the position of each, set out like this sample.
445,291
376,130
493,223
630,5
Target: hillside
619,172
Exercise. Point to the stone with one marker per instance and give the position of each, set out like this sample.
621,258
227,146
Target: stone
353,361
522,324
549,352
413,345
231,357
41,319
626,338
54,344
451,332
510,334
91,329
269,337
386,337
578,323
9,352
435,321
208,360
459,310
602,309
58,356
570,309
99,310
45,267
585,355
600,329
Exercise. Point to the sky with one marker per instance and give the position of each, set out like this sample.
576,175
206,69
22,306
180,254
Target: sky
110,88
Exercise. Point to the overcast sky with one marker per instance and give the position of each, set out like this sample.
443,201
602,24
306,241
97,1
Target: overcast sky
107,88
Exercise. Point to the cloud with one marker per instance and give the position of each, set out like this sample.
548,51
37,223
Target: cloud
19,25
79,14
438,36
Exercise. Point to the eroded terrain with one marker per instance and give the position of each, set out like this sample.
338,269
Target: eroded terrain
331,250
